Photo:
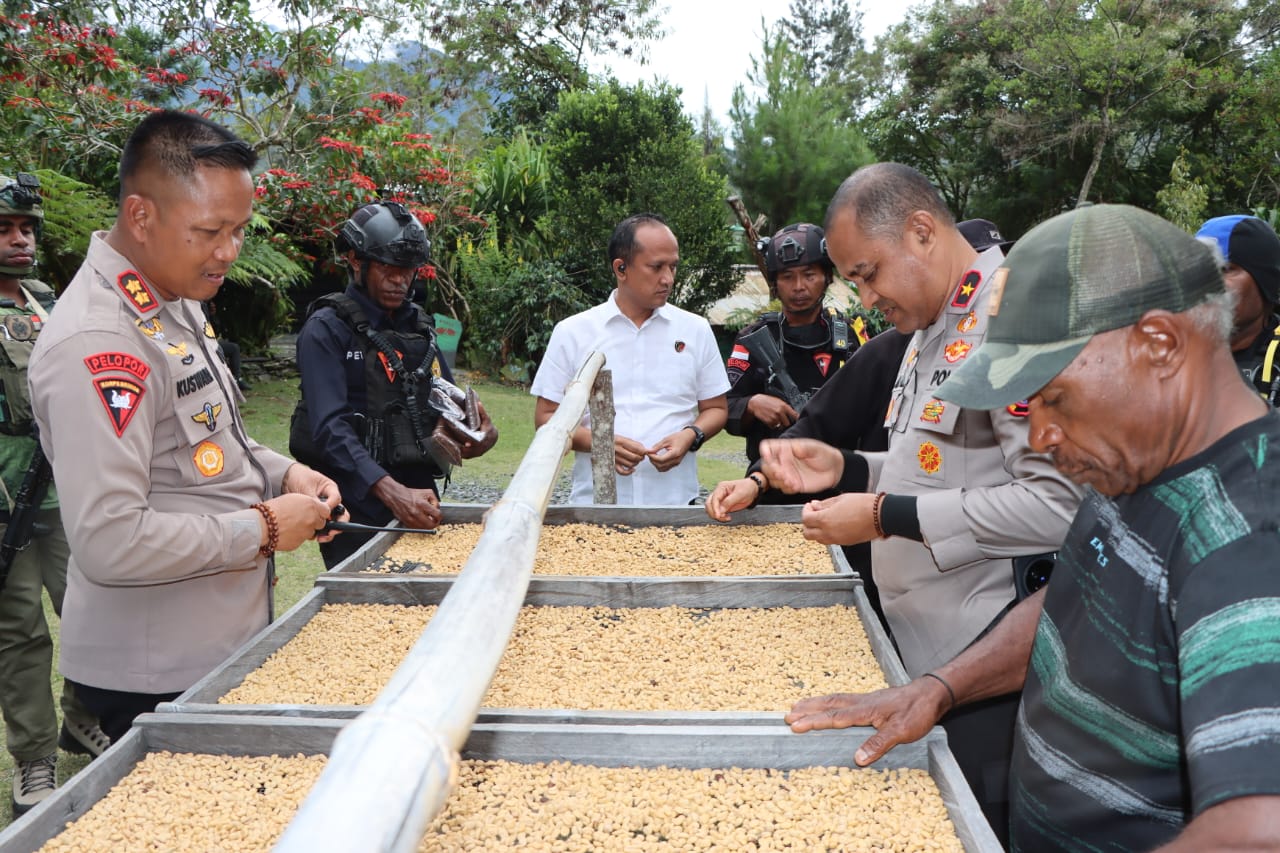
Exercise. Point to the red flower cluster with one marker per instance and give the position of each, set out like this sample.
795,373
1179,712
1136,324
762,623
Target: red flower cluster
391,99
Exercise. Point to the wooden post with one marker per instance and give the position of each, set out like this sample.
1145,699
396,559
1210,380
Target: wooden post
749,230
604,473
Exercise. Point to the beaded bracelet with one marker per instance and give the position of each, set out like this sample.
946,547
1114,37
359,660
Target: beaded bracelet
875,515
758,478
273,530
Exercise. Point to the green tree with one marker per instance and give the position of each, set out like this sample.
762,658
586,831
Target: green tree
827,36
616,150
791,146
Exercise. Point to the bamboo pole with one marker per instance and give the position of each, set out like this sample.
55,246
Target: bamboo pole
391,769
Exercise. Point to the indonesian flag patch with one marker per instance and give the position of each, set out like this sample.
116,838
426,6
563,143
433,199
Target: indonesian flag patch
120,397
740,359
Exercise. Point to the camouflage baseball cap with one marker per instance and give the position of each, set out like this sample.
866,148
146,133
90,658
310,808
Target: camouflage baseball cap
1093,269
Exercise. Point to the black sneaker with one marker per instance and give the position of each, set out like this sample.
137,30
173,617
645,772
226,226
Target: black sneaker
33,781
81,739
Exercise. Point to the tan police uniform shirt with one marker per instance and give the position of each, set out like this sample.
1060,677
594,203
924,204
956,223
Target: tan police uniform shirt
156,477
983,495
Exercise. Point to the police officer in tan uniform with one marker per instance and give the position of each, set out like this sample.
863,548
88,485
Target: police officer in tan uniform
172,511
959,493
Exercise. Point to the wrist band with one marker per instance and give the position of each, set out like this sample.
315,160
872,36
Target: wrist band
943,682
761,487
273,530
875,515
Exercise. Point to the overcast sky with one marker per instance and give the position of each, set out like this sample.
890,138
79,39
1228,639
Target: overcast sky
709,43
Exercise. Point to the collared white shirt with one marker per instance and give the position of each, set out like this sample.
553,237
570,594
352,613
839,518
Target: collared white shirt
660,372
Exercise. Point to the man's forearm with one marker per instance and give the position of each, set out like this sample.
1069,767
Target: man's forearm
997,664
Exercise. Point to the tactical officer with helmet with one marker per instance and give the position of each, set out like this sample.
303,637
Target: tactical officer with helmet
1250,253
379,432
779,361
34,550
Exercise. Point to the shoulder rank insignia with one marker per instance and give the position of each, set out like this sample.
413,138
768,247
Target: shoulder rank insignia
208,330
122,361
208,458
1019,409
929,457
120,397
136,291
956,351
932,411
968,287
208,415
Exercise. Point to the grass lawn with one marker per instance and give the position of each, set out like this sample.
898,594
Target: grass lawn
266,413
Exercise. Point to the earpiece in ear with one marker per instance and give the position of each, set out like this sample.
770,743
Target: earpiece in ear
622,267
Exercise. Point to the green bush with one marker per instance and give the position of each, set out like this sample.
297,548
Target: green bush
514,307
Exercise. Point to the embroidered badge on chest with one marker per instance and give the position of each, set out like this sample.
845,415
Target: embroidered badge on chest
18,327
120,397
136,291
929,457
823,360
968,322
956,351
679,346
386,365
932,411
152,328
208,415
208,458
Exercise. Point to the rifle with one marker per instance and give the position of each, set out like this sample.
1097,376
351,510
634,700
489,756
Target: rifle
26,504
762,347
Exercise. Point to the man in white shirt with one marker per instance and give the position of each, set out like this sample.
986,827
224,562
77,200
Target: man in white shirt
669,382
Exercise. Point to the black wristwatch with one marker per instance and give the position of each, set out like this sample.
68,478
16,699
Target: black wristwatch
698,437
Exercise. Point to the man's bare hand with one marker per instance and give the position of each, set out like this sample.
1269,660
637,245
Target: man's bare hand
627,454
298,517
800,465
668,452
899,715
419,508
730,496
771,411
472,449
842,520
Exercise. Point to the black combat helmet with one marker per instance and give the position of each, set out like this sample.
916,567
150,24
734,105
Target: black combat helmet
387,232
21,197
795,246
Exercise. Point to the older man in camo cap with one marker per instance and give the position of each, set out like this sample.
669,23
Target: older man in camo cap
1150,665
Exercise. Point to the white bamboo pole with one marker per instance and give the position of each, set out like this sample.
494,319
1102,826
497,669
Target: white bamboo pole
392,768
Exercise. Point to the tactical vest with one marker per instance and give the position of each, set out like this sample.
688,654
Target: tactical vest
397,369
837,341
18,333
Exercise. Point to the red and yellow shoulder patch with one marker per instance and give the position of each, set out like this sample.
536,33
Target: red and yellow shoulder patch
121,361
956,351
1019,409
120,397
136,291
